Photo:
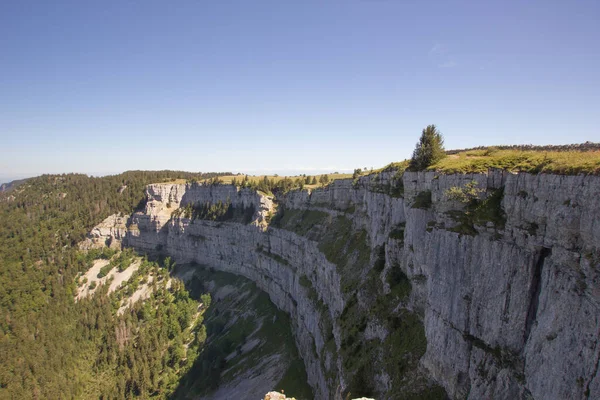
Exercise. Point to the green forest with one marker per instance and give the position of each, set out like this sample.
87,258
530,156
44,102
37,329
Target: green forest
52,346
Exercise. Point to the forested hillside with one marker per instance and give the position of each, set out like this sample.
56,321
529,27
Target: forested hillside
54,347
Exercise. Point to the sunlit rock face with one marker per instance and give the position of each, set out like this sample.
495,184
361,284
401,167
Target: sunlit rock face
109,232
508,294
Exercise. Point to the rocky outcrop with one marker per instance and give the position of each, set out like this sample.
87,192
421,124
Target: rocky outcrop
109,232
506,287
249,251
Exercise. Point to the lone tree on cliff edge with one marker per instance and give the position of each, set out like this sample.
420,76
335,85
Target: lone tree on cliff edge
429,149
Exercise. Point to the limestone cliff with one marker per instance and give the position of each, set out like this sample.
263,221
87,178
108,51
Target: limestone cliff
109,232
394,288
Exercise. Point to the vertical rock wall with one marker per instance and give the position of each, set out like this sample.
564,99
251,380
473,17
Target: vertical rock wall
508,294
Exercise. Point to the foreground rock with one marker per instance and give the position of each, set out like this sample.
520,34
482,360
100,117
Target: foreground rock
281,396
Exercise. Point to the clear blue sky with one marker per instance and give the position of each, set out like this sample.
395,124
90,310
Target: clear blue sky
286,86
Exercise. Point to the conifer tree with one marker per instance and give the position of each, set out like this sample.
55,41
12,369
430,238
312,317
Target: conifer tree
324,179
429,149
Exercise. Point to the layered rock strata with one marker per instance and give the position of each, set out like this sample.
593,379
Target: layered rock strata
506,286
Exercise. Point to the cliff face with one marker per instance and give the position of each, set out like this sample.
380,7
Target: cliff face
512,310
394,287
109,232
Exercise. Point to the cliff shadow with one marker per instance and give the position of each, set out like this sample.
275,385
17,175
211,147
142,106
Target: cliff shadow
247,346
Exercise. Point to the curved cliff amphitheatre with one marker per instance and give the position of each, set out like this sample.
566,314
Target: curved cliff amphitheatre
248,200
475,278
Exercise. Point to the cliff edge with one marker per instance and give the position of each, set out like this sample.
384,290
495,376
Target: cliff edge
396,289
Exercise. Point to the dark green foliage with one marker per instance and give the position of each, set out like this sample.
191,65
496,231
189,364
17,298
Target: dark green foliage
274,256
275,186
298,221
206,300
430,226
399,282
358,354
480,212
532,228
490,210
398,232
397,187
403,348
349,249
49,344
352,324
423,200
304,281
429,393
469,192
313,295
380,261
154,359
429,149
218,211
361,384
504,357
394,188
294,381
346,248
105,270
254,317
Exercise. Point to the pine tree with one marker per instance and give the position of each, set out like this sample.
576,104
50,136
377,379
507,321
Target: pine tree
324,179
429,149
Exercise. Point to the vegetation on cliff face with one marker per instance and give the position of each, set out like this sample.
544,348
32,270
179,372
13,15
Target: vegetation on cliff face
247,337
361,268
54,347
50,345
480,208
217,211
143,351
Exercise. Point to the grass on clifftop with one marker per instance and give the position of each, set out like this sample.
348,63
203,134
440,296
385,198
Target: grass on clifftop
557,162
228,179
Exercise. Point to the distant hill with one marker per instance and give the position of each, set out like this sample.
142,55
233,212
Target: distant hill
587,146
7,187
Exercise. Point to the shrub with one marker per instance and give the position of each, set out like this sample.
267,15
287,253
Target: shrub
105,270
480,212
470,192
423,200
